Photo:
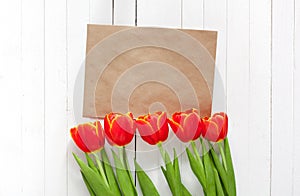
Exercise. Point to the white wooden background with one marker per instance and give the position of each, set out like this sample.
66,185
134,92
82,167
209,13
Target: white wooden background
42,47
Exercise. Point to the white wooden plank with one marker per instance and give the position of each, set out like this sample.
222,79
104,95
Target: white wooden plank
124,12
55,98
163,14
100,12
282,97
238,90
215,18
260,97
10,99
159,13
192,14
33,97
77,20
296,147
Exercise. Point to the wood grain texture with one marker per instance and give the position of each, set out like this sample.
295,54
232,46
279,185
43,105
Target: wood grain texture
192,14
238,90
100,12
11,98
260,97
296,106
33,97
56,128
282,97
124,12
42,51
159,13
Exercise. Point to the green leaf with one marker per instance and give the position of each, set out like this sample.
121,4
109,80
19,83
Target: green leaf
172,175
184,190
113,184
147,186
196,168
220,169
125,160
93,178
230,171
169,172
123,177
90,162
87,185
210,181
164,171
176,168
222,156
219,187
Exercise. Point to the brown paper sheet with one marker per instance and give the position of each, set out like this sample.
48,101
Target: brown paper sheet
143,70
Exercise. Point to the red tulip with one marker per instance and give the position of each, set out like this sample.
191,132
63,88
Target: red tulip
215,127
119,128
89,137
153,128
186,125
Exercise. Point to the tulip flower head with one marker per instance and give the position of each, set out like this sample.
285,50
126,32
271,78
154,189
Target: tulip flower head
89,137
119,128
186,125
215,127
153,128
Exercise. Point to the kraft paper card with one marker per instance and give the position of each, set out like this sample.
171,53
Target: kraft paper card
143,69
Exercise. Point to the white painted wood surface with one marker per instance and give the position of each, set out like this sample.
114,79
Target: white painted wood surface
283,65
42,51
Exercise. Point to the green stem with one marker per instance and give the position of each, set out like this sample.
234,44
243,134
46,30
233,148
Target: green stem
101,169
126,165
196,152
121,155
222,155
162,152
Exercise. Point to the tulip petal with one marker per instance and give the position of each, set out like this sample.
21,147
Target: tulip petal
122,130
211,132
146,131
162,124
178,117
153,128
175,126
144,127
225,124
77,140
161,120
87,133
222,120
152,119
191,127
100,132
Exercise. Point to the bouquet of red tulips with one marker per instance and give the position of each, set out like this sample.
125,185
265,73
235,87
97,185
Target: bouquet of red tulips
214,169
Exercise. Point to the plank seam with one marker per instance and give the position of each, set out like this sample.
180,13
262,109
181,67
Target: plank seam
67,99
21,99
293,97
44,92
226,56
113,12
271,103
135,139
